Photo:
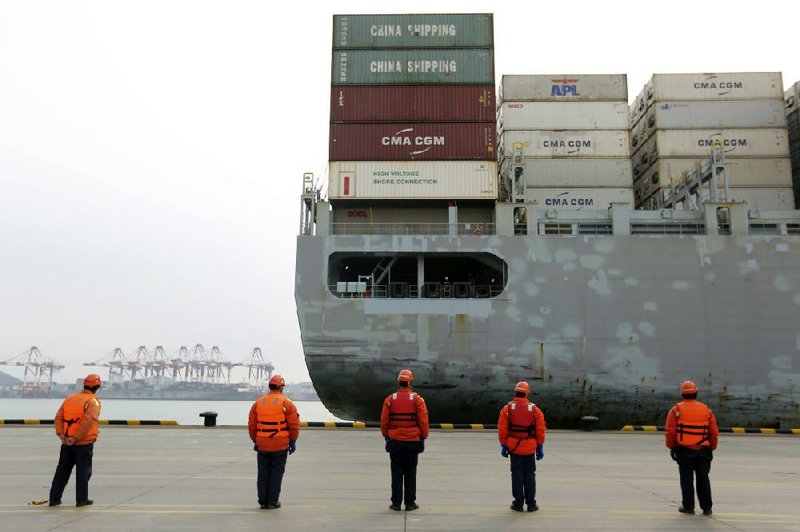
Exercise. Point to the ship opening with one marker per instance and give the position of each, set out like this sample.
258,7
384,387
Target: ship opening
416,275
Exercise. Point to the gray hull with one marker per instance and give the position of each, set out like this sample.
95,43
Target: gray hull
607,326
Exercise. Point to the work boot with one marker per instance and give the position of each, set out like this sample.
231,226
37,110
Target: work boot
262,506
517,508
395,507
533,507
87,502
54,503
683,510
707,512
274,506
411,507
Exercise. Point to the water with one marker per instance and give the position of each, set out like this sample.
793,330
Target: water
184,412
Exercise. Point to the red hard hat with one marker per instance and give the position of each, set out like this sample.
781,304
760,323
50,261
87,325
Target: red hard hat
688,388
523,386
92,379
405,376
277,380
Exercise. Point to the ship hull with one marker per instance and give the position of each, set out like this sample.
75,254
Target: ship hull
605,326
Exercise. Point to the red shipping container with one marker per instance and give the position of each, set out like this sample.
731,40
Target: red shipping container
412,141
413,103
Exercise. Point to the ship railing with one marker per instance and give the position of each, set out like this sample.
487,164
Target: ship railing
432,290
671,228
415,228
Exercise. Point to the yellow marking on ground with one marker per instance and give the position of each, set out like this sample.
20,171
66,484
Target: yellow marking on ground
2,422
767,431
650,428
738,430
627,428
359,425
32,422
796,431
169,422
448,426
304,423
477,426
134,422
330,424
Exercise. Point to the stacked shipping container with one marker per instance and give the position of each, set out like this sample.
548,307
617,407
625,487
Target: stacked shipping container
571,134
792,103
412,108
678,118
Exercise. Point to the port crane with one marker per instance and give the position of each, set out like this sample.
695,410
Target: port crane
39,370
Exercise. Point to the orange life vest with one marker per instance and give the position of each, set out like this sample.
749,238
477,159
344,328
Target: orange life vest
692,428
271,417
402,410
75,406
521,421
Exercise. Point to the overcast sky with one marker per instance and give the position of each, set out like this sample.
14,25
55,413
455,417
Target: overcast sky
152,152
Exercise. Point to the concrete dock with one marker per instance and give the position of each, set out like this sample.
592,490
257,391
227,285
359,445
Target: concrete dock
177,478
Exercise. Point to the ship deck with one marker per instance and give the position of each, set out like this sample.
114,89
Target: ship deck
197,478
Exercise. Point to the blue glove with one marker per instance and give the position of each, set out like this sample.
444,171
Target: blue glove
540,451
255,446
422,445
387,443
504,451
292,446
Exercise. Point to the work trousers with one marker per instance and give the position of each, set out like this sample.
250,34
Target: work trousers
79,457
695,463
271,466
523,479
404,456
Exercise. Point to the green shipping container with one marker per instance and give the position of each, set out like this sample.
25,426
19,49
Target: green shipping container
412,67
413,31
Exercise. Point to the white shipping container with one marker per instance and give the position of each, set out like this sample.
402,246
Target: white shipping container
718,114
593,143
615,173
715,86
576,199
771,172
563,115
412,180
561,87
735,142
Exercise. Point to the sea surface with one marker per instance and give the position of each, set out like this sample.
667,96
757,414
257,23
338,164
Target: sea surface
184,412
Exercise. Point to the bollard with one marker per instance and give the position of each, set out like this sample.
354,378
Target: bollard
209,419
587,422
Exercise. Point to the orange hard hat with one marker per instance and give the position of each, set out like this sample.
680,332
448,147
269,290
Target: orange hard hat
405,376
92,379
277,380
688,388
523,386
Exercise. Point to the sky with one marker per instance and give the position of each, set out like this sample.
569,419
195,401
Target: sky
152,152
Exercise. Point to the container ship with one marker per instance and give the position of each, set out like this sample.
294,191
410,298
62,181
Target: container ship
548,231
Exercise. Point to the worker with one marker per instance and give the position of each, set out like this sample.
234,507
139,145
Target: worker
76,427
274,426
404,425
521,429
692,436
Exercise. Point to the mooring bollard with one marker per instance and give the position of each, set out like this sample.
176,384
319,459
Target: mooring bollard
587,422
209,419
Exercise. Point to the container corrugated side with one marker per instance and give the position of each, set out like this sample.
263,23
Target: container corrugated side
382,212
715,86
771,172
731,114
413,67
412,141
572,199
413,103
565,87
615,173
772,142
413,31
589,143
412,180
564,115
